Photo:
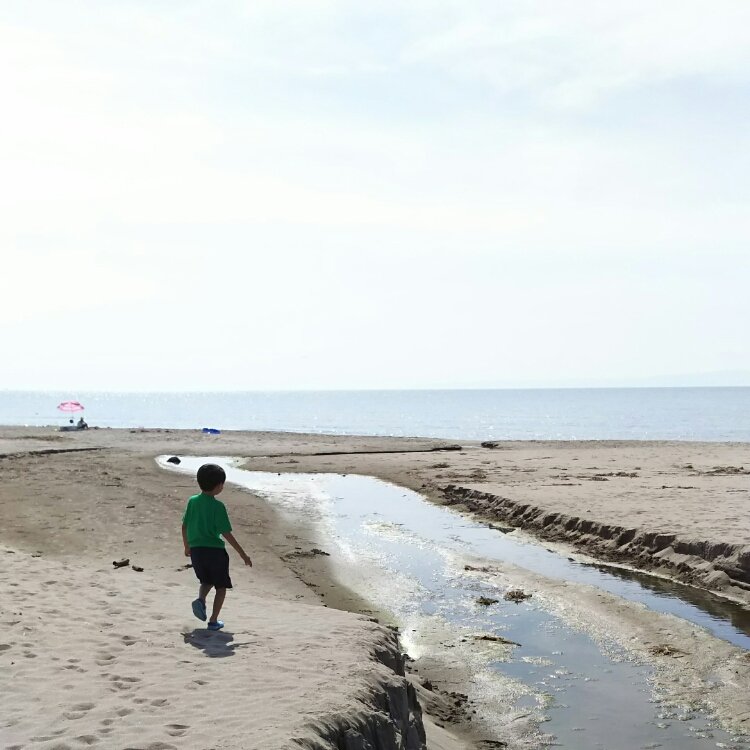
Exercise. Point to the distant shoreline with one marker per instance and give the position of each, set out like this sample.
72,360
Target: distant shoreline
688,414
609,441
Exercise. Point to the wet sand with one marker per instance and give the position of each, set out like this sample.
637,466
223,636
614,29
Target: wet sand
80,510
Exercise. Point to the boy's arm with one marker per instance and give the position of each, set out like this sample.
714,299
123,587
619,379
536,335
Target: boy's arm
241,552
185,541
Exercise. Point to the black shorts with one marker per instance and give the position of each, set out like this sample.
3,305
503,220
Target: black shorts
211,566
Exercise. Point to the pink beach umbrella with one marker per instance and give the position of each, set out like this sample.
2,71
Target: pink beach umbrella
70,406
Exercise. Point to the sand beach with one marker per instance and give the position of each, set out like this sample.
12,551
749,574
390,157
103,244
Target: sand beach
455,296
94,655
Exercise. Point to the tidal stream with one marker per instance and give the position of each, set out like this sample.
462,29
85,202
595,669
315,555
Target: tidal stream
407,556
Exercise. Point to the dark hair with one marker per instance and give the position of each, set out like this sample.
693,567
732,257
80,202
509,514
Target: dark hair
210,476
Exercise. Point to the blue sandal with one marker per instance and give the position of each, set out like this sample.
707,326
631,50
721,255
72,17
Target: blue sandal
199,609
218,625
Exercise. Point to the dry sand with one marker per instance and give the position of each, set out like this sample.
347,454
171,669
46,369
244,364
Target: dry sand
86,658
96,656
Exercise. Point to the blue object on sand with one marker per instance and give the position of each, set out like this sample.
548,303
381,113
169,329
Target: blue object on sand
218,625
211,431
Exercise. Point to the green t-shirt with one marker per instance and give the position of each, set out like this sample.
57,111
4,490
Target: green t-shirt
205,518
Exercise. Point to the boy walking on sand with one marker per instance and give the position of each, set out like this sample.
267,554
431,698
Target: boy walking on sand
204,522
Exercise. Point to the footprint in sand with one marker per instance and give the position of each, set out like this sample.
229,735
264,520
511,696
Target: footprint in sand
124,711
87,739
128,640
160,702
78,711
123,683
176,730
104,659
4,646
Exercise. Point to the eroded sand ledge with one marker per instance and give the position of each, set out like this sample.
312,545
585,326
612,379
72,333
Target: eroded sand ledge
719,566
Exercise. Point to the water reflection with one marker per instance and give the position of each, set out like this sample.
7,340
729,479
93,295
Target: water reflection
716,607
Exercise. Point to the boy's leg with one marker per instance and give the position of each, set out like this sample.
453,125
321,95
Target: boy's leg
199,605
218,602
202,571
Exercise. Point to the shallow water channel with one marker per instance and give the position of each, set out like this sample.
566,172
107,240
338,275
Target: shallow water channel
407,555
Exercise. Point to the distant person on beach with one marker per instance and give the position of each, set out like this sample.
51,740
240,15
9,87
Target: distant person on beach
82,424
204,522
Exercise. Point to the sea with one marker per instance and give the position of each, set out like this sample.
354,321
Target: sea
706,414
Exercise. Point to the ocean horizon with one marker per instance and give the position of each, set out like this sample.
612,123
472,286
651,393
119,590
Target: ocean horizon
646,413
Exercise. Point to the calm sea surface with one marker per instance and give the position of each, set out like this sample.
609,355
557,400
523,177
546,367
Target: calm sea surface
563,414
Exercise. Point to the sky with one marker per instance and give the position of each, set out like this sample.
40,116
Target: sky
304,194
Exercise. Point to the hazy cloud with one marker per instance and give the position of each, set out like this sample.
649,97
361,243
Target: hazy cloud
564,187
